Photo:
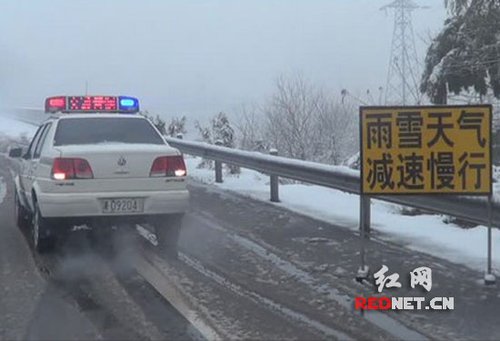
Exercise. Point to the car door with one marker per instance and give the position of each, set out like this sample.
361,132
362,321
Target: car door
25,161
29,164
36,162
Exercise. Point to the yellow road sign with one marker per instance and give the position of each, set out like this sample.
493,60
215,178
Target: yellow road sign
426,150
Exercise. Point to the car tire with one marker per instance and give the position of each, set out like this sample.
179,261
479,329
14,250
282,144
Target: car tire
22,216
43,241
167,229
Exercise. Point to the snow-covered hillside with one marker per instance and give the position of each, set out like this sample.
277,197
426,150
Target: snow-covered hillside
12,128
13,132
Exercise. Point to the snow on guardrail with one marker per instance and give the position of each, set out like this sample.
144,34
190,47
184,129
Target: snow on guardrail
337,177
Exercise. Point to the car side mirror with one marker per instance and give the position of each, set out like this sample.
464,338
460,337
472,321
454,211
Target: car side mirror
16,152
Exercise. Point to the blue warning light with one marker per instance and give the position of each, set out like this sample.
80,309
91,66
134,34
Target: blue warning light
128,104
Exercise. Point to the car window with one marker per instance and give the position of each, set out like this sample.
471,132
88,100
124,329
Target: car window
97,130
41,141
33,143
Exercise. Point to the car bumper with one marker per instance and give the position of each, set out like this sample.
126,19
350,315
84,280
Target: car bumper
62,205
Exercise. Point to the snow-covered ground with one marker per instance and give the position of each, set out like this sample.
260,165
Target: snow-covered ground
12,128
426,233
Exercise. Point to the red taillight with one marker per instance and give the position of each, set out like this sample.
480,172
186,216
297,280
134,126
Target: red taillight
71,168
82,169
168,166
159,167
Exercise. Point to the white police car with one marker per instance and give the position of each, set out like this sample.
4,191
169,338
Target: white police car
95,161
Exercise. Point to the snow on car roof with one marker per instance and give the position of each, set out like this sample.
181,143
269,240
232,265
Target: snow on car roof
88,115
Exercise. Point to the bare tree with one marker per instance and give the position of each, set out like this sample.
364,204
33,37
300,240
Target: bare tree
336,130
302,121
290,116
249,127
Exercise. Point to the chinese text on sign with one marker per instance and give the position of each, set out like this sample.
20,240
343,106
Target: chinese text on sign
416,150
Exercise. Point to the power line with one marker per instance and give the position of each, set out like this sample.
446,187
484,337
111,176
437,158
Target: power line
404,69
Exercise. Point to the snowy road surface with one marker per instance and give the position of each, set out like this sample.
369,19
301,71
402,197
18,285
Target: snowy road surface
77,293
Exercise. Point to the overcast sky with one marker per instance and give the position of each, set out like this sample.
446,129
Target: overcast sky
195,57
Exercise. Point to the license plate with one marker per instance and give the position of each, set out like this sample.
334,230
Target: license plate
122,205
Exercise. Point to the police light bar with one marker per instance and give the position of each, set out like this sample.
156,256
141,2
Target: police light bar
82,104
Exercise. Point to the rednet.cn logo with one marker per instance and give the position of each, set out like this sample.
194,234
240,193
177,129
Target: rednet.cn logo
421,276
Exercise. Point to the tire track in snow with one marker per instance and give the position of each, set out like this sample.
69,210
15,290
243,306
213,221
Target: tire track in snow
390,325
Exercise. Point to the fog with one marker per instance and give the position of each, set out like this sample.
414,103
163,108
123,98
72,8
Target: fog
195,57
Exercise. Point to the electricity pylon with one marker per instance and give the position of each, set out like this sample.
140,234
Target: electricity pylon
404,69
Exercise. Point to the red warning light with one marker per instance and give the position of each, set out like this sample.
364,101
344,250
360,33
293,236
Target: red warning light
55,104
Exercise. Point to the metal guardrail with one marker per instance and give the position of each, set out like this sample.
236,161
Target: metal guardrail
470,209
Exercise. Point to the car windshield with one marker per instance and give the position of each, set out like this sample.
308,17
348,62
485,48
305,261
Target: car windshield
97,130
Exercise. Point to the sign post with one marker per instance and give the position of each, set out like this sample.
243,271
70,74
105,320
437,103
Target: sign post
364,231
432,150
489,278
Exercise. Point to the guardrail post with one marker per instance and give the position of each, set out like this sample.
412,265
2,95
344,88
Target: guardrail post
275,197
489,277
218,166
364,230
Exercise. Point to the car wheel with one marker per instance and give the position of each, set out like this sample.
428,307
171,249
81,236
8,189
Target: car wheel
42,241
21,213
167,229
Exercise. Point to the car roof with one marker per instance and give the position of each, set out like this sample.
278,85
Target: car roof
56,117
